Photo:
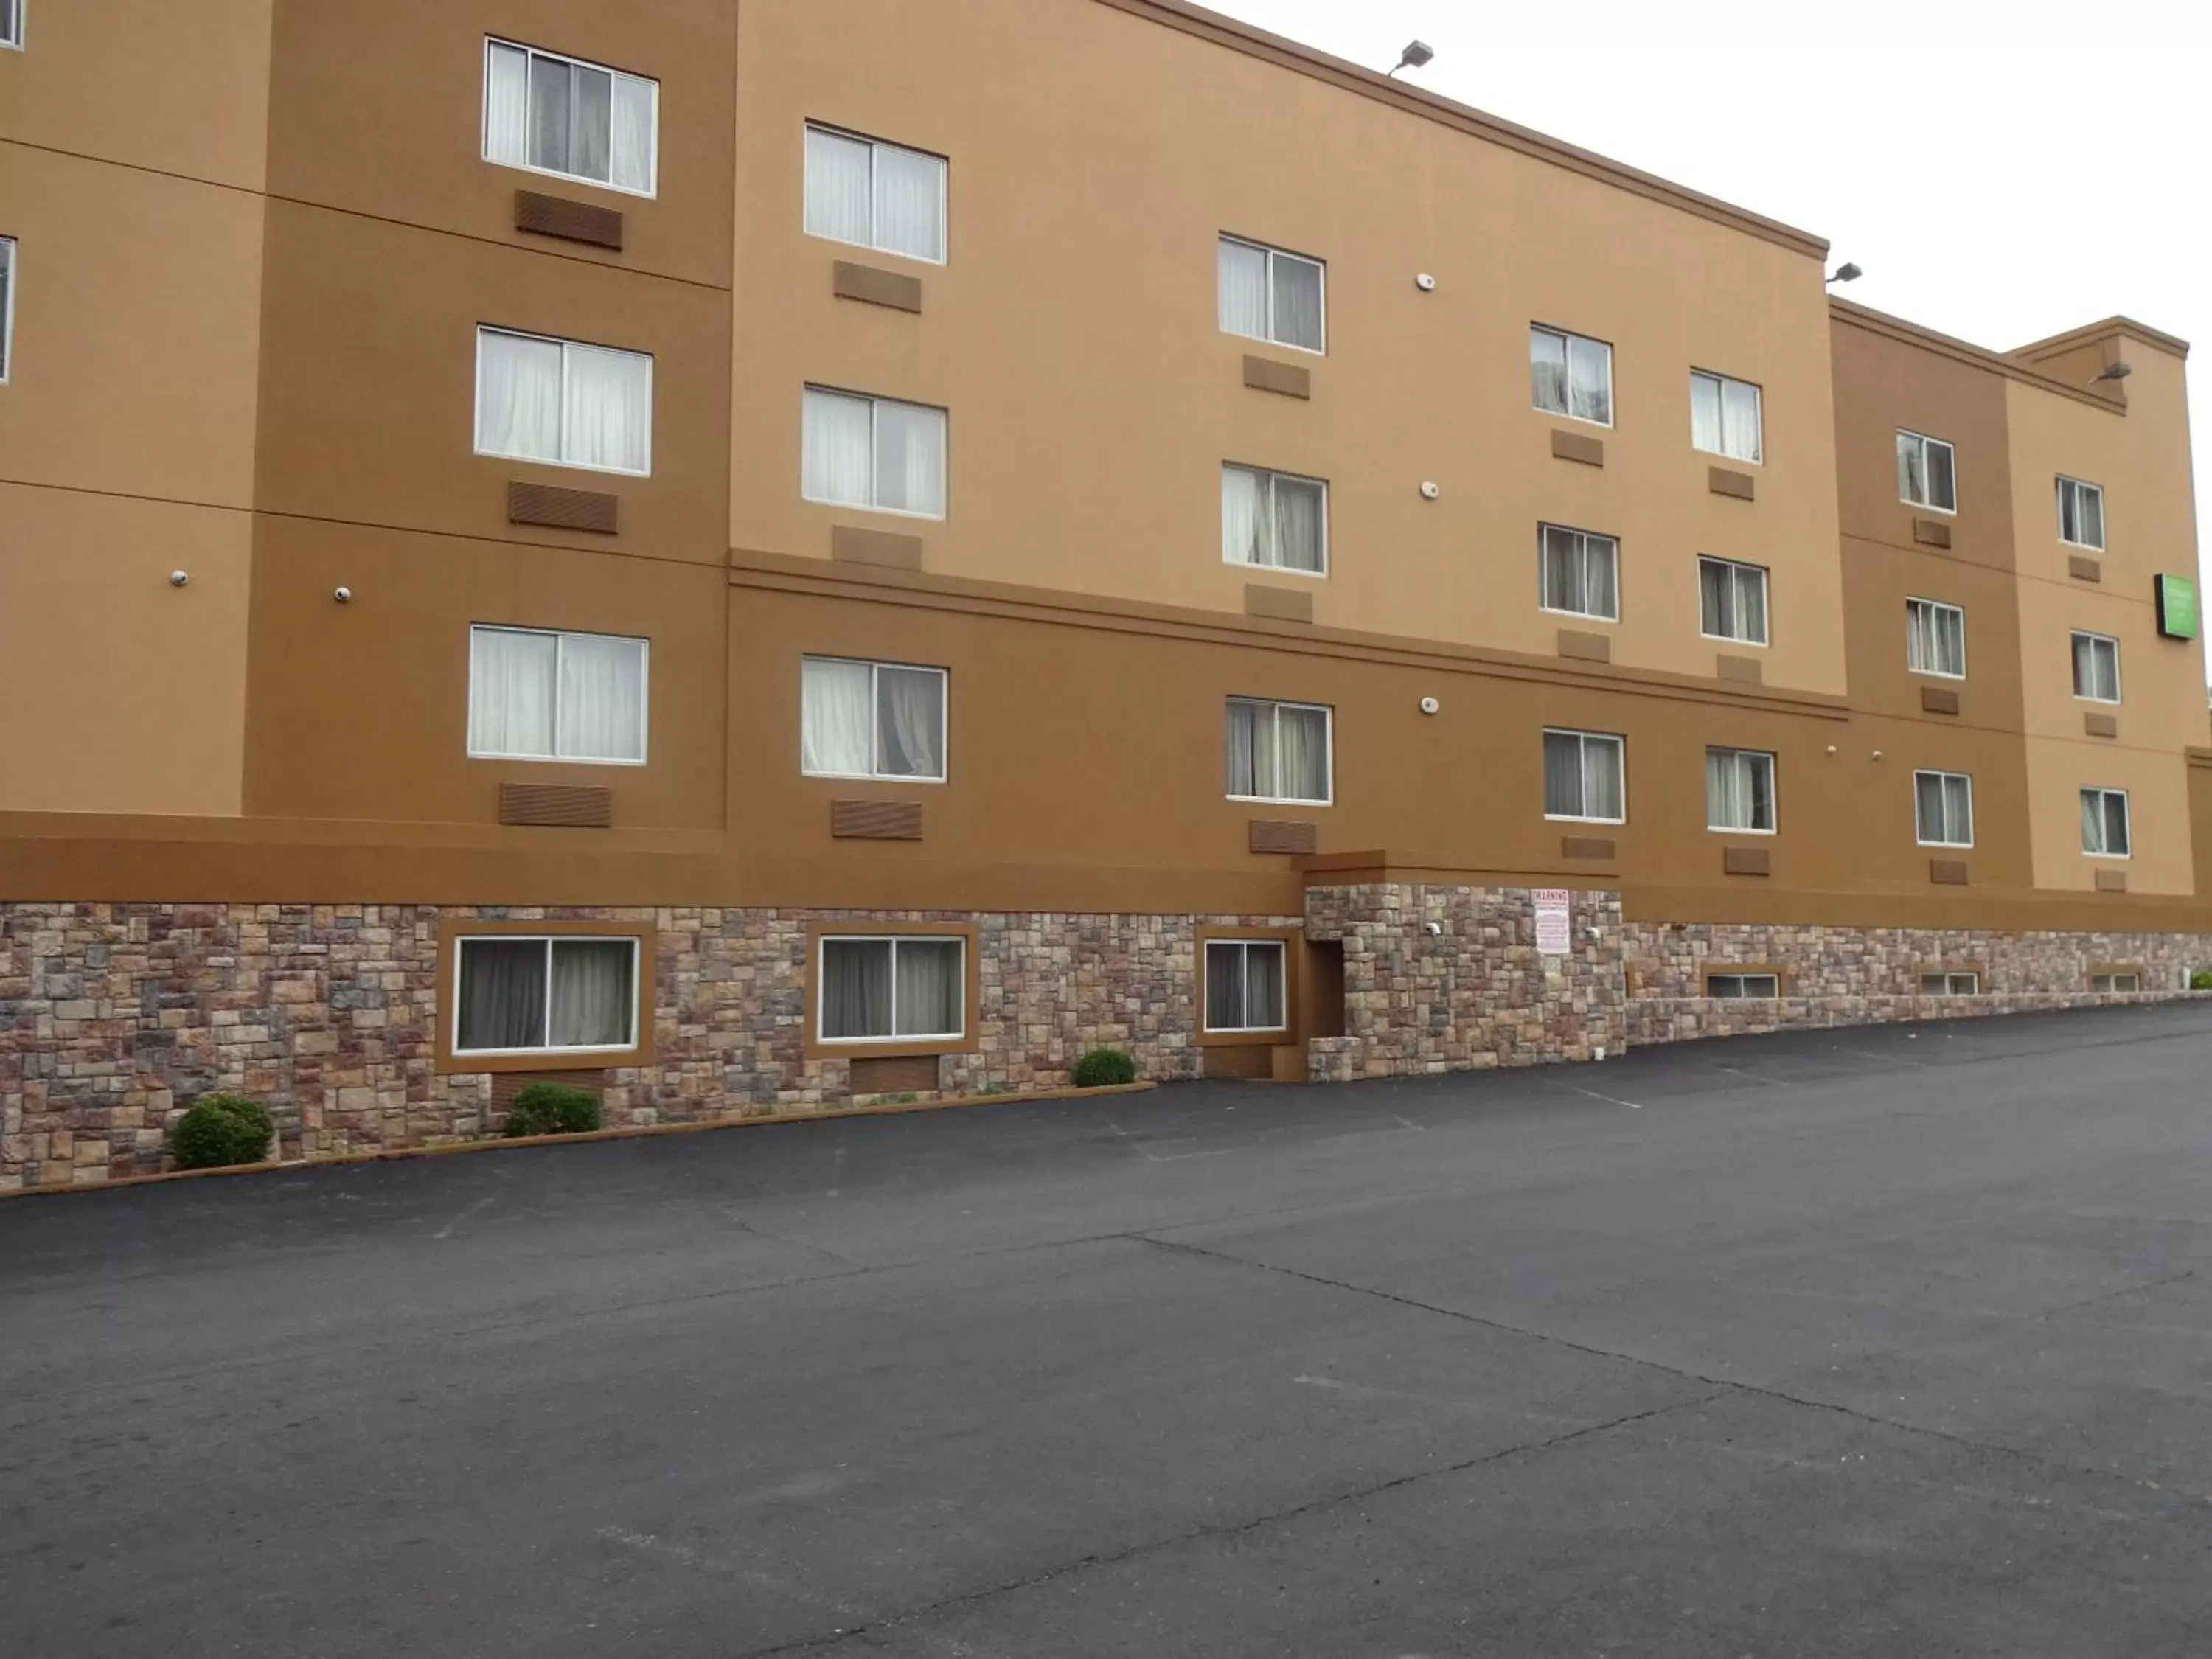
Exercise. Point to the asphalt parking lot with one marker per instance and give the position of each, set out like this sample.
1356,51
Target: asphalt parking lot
1871,1342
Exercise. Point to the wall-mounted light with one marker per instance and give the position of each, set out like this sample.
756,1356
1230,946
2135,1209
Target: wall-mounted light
178,578
1430,705
1846,273
1417,55
1425,282
1429,492
2115,372
343,595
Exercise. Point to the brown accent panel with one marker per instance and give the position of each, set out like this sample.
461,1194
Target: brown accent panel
2100,726
1244,1062
896,1074
1279,604
452,929
505,1085
2111,881
1324,1001
1576,446
2083,569
1266,375
1285,835
1746,862
557,805
560,508
850,544
1938,700
876,820
1932,532
891,1048
873,286
1721,482
1748,669
1587,847
1589,648
573,222
1947,872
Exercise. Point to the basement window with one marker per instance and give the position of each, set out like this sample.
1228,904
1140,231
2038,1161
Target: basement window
1950,985
1748,987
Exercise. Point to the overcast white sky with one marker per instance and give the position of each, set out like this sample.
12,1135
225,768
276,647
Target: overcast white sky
2003,170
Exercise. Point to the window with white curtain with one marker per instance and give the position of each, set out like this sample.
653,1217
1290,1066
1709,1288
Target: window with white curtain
1279,752
1578,572
1763,987
876,195
2096,667
2080,513
1944,809
1950,985
7,306
516,995
871,720
1927,474
1570,375
11,23
1245,985
1268,295
872,452
878,989
535,694
2104,823
1275,519
1936,638
2112,982
547,114
563,404
1740,791
1583,777
1731,601
1724,416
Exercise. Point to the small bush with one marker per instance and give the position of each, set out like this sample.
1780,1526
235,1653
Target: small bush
1103,1066
218,1131
553,1109
2201,980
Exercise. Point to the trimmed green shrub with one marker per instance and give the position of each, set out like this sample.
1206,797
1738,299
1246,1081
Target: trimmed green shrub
552,1108
1103,1066
2201,980
217,1131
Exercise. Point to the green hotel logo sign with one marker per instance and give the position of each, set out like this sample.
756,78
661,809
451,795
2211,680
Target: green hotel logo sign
2177,607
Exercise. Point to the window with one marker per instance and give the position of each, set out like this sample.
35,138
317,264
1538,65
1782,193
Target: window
1724,415
1244,989
875,195
1935,638
11,23
2110,982
552,114
1578,573
1279,752
1760,987
1583,777
1274,519
2104,823
874,990
540,695
1571,376
2096,667
1740,790
1950,985
1925,474
873,452
7,306
1268,295
521,996
1732,601
2080,513
871,720
1944,809
563,404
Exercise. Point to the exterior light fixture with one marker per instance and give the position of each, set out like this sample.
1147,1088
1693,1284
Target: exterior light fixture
1846,273
2116,372
178,578
1416,56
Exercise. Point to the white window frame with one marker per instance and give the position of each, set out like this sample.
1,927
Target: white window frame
1274,253
1569,337
1584,537
875,404
2102,639
1911,635
875,703
1270,476
1246,947
1773,800
562,636
549,940
653,160
14,271
1948,985
822,989
1620,754
2064,483
1918,837
875,145
2127,817
1721,384
476,402
1926,443
1744,981
1736,568
1276,705
12,15
2110,985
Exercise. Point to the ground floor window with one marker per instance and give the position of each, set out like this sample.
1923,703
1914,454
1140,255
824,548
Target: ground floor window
874,990
523,995
1244,987
1950,985
1762,986
2126,980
